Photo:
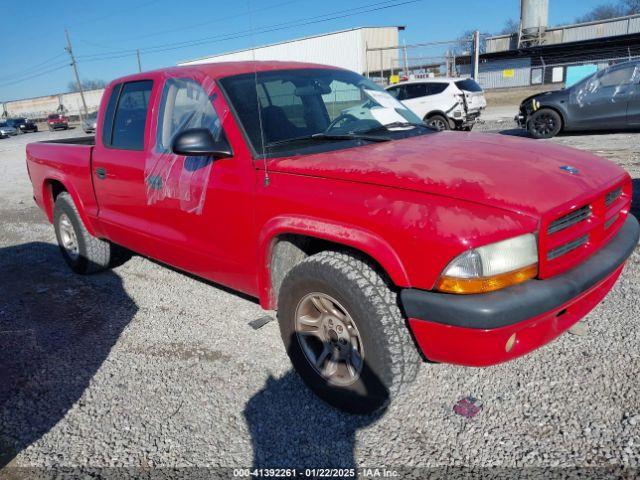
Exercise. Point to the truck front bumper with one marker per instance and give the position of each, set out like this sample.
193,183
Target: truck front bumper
486,329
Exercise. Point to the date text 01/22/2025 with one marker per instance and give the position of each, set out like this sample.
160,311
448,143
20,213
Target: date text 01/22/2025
316,473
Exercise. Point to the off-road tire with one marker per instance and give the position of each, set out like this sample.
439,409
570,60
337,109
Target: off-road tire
545,123
391,360
94,254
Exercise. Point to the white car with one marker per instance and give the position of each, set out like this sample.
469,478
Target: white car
443,103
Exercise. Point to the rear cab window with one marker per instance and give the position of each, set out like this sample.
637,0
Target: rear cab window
126,115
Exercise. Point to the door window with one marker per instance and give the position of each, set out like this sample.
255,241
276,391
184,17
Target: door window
621,76
416,90
130,118
184,105
436,88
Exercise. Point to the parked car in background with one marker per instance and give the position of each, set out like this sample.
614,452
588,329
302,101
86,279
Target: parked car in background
56,120
443,103
371,235
89,123
7,130
22,125
606,100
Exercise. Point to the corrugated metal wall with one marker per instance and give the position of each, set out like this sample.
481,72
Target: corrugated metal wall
379,38
502,73
501,43
39,107
346,49
572,33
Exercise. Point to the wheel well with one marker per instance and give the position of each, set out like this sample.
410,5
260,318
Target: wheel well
56,189
52,189
290,249
436,112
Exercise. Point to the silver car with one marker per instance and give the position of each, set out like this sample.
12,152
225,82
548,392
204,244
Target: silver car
89,123
6,130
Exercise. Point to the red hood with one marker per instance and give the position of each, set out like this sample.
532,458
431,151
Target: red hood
514,174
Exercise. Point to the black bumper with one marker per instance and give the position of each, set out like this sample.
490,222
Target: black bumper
530,299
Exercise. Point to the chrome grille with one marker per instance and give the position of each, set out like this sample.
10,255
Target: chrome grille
612,196
570,219
567,247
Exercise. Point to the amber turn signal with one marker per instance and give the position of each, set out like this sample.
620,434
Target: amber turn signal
465,286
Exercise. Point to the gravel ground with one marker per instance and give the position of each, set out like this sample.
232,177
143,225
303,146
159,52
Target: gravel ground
146,367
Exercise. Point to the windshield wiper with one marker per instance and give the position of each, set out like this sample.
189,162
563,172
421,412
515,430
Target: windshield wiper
396,125
330,136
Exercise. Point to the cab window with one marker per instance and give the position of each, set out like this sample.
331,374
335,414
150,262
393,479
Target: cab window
184,105
129,120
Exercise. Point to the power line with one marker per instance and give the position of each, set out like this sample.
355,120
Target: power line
24,79
209,22
113,12
32,68
247,33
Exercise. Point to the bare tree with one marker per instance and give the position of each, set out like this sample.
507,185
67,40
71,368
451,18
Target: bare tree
611,10
632,7
511,26
87,85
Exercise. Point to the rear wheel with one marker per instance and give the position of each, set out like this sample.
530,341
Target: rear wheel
544,123
82,252
438,122
344,332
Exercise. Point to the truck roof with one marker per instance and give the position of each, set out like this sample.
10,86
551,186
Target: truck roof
224,69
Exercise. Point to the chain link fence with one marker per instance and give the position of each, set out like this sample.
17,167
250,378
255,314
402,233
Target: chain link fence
558,65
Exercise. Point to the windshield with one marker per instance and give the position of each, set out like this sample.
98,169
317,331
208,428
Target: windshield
53,116
306,106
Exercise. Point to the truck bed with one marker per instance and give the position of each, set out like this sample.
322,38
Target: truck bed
68,162
87,140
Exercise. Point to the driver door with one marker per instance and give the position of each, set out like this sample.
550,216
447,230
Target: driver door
202,208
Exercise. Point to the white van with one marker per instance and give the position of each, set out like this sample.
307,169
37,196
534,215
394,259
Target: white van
443,103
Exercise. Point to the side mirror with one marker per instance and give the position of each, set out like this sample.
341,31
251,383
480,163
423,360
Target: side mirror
200,142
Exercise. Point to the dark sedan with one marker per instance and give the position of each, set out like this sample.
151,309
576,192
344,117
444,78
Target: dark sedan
606,100
22,125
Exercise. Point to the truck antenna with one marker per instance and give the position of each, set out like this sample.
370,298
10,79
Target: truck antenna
255,82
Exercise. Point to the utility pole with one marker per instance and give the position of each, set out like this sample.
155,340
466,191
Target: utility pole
476,55
139,64
75,70
406,60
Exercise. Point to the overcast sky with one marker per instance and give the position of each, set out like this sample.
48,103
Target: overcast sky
105,34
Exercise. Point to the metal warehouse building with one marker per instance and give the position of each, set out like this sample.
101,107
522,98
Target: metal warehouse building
558,55
345,49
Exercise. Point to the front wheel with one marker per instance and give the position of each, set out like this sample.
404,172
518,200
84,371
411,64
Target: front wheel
545,123
344,332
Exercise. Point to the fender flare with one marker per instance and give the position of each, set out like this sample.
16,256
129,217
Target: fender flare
351,236
47,200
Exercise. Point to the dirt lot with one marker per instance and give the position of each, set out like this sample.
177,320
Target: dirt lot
144,366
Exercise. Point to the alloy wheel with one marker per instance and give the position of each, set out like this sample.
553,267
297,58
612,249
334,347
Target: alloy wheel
329,339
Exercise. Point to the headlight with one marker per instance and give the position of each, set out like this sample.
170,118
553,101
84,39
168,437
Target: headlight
492,267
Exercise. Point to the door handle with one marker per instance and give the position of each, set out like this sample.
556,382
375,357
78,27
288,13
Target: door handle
101,173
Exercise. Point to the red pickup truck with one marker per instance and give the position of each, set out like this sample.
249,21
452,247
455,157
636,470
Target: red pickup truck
379,241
